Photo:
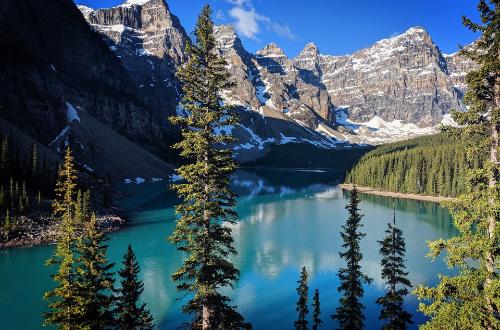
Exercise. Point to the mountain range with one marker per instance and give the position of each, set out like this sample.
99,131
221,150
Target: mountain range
103,81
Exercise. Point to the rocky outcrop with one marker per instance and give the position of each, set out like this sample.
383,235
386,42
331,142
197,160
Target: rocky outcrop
54,59
458,67
402,82
149,40
401,78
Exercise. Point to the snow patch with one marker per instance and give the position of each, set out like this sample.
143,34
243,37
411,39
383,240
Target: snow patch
175,178
129,3
449,121
71,113
88,168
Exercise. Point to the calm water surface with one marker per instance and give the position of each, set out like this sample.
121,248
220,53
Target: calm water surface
289,219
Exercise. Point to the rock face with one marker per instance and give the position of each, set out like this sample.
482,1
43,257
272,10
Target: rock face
150,43
55,59
401,78
458,67
397,88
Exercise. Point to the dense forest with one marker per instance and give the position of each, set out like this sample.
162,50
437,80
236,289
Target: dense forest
431,165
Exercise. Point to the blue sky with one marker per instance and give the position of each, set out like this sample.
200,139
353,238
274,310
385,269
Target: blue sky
337,26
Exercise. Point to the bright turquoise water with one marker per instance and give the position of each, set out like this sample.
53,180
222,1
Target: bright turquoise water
288,220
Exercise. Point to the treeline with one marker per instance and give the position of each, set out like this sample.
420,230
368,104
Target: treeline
27,179
430,165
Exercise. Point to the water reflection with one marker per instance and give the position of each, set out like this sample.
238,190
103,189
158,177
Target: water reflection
288,220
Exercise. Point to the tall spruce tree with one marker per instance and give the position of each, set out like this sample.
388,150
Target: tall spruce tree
471,300
96,279
316,311
392,250
130,313
302,309
207,200
349,314
65,299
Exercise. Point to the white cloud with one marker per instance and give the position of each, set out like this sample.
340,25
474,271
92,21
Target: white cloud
248,22
220,15
239,2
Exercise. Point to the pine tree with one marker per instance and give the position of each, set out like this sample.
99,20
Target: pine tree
303,292
471,300
316,311
7,225
207,200
392,250
350,312
96,279
64,300
130,313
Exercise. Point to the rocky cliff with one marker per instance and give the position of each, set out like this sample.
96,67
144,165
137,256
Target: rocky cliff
56,69
397,88
149,41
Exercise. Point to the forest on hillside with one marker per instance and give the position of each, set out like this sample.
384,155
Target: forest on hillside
430,165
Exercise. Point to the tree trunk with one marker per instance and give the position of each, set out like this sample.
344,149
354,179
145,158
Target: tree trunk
206,316
490,257
206,310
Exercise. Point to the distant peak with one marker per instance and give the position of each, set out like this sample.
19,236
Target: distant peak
415,29
311,45
271,49
136,2
224,28
309,50
86,11
83,7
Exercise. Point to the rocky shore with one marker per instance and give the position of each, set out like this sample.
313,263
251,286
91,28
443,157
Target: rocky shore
42,229
373,191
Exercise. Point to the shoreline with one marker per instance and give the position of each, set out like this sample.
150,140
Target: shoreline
45,234
417,197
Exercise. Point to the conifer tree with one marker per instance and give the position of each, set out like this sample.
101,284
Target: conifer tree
207,200
7,225
316,311
96,279
64,300
303,292
130,313
349,314
471,300
392,250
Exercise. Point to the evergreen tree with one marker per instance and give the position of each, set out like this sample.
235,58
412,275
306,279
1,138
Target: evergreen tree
392,250
303,292
207,200
7,225
350,312
96,279
130,313
65,300
316,311
471,300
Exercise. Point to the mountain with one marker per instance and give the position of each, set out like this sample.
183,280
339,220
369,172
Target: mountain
61,85
149,41
103,81
397,88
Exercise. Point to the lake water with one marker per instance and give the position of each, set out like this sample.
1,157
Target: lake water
289,219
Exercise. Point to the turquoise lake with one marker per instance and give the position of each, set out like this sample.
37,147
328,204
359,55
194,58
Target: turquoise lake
289,219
